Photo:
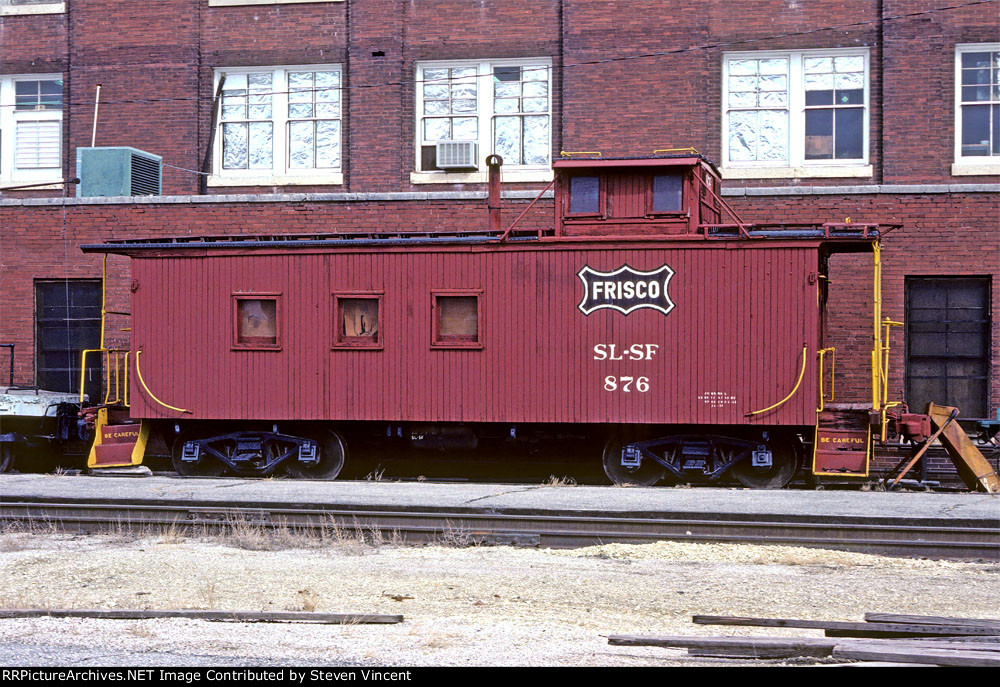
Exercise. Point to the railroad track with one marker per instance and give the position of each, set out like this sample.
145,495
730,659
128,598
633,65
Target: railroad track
888,536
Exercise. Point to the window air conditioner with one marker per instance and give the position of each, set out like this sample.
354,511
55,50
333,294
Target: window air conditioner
118,171
457,155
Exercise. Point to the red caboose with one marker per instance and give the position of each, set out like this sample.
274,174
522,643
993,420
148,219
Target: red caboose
649,317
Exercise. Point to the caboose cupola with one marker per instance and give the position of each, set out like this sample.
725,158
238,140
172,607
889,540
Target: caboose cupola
660,196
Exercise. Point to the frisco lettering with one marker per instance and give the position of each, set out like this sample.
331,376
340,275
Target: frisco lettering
618,290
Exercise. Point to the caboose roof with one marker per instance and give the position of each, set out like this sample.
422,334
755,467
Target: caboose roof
612,162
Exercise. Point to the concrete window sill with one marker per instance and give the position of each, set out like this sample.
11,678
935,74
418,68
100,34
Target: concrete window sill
827,172
332,179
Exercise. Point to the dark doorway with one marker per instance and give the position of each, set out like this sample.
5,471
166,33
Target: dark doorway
948,343
67,322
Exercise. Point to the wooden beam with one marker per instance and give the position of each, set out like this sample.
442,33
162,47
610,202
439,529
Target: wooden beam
213,616
846,629
930,620
941,657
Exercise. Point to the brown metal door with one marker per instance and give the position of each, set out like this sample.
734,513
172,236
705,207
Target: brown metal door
948,343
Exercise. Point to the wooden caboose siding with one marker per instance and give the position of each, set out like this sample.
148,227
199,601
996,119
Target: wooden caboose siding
737,329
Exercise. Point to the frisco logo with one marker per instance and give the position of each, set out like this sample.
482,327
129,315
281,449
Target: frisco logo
625,289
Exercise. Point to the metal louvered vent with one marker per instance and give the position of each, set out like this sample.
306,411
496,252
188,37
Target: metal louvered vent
145,175
119,171
456,155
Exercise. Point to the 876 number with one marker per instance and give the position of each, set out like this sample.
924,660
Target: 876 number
626,384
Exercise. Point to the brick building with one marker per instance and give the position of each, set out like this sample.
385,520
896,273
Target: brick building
877,110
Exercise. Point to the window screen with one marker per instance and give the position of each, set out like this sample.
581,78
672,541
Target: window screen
584,196
667,193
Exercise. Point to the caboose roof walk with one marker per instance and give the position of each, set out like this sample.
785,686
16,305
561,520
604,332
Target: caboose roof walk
851,236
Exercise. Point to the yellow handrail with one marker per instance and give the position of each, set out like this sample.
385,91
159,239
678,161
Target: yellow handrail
798,382
138,372
833,375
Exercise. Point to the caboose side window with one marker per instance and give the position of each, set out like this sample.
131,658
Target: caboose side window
256,322
584,196
456,320
356,321
667,190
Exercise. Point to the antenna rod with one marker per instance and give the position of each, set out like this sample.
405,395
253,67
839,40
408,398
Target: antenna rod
97,103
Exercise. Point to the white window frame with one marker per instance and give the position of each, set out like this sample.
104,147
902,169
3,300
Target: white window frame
484,113
10,175
280,174
797,166
7,8
970,165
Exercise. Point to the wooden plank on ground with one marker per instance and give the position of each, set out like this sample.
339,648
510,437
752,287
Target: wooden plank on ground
907,654
752,647
843,629
214,616
788,647
930,620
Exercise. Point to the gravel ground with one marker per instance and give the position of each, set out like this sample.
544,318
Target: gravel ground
462,605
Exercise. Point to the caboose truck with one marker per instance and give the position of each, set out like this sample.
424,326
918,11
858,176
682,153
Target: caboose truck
649,320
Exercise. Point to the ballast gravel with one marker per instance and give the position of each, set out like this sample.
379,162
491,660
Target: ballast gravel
463,605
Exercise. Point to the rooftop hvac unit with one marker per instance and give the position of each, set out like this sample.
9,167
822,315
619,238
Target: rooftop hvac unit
119,171
456,155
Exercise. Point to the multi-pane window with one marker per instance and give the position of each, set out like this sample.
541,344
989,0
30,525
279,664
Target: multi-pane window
795,109
67,321
948,343
505,108
31,128
281,121
978,98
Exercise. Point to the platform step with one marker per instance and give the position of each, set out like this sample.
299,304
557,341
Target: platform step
843,440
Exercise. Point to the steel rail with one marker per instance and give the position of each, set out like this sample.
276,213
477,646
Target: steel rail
912,538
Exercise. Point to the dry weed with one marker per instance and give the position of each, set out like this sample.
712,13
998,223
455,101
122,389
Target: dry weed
308,600
564,481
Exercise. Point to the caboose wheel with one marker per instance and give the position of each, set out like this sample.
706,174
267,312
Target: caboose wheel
646,475
785,462
206,466
332,456
6,456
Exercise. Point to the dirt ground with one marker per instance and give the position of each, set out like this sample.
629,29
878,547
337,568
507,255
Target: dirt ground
463,605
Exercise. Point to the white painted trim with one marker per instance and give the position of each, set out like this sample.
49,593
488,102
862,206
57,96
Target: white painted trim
45,8
479,177
10,174
978,161
796,106
484,103
234,3
333,179
279,120
832,171
964,170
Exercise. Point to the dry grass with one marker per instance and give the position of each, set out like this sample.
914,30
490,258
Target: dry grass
308,600
376,474
564,481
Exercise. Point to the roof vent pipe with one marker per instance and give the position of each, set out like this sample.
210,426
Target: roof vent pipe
493,162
